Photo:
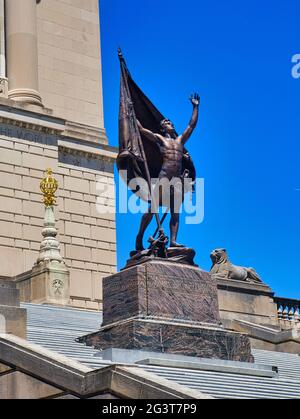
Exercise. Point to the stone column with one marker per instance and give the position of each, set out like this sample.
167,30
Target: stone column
22,53
3,79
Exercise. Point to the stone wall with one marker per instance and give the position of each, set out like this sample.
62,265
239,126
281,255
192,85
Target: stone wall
245,301
87,237
69,59
55,120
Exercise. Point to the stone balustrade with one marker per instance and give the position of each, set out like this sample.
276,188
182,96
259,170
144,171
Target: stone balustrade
288,311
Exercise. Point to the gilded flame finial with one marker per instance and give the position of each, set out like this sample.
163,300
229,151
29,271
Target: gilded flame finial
49,186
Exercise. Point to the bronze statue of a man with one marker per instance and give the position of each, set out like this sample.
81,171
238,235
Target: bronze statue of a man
172,150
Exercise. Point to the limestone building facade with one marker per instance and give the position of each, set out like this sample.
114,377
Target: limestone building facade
51,115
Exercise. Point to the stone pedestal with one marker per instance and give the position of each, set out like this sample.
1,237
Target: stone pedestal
189,339
161,290
240,300
166,307
46,283
49,280
13,319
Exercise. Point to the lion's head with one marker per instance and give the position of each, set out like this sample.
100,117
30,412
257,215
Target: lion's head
219,256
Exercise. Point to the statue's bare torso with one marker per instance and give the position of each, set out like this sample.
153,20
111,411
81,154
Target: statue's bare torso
172,155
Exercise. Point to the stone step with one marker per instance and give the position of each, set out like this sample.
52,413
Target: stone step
57,328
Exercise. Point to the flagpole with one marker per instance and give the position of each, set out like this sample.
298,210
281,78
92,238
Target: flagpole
154,205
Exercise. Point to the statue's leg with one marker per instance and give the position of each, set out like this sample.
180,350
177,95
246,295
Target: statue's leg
146,220
174,226
176,201
253,275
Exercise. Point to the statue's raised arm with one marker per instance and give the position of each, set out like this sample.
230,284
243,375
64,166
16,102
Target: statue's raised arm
195,100
147,133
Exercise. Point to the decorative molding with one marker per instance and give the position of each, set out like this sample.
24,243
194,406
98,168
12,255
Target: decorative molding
91,141
88,152
50,246
85,133
29,120
26,96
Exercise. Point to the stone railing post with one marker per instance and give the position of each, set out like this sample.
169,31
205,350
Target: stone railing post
288,312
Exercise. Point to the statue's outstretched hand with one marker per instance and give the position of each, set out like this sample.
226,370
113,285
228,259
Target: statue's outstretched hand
195,99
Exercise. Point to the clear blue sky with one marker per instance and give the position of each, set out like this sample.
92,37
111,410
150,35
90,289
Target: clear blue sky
237,54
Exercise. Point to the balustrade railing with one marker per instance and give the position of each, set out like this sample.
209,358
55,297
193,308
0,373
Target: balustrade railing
288,310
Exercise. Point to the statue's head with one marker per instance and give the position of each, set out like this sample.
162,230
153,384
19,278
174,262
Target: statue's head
167,127
219,256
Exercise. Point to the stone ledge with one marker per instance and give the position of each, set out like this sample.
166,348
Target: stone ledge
173,338
31,120
267,372
85,132
126,356
244,287
267,334
12,104
44,121
87,150
56,370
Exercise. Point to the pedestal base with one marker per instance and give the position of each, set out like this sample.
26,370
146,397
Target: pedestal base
189,339
166,307
182,255
161,289
46,283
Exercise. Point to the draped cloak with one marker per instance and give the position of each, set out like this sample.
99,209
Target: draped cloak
134,148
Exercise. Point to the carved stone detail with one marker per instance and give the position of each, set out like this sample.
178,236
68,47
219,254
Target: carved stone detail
222,268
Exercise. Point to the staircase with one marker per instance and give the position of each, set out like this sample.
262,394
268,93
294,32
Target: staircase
57,328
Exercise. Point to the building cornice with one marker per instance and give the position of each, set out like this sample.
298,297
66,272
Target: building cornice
72,137
87,151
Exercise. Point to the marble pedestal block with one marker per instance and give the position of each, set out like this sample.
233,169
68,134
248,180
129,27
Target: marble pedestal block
161,290
186,338
166,307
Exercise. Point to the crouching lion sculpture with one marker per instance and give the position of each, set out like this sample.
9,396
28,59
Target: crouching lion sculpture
223,268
